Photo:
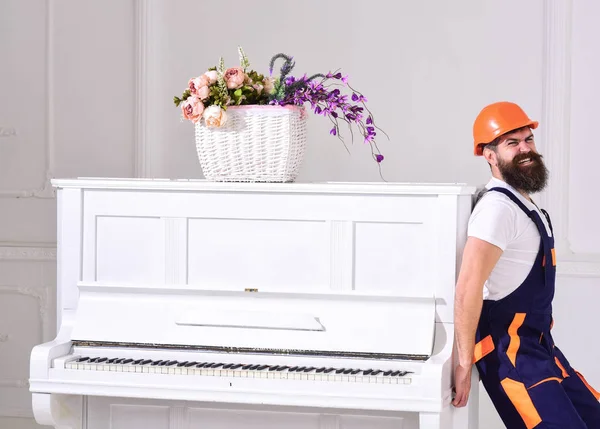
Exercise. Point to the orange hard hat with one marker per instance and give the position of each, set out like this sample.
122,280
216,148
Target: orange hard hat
497,119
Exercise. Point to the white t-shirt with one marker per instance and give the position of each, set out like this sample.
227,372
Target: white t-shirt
499,221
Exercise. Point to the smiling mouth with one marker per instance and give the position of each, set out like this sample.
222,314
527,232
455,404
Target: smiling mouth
526,161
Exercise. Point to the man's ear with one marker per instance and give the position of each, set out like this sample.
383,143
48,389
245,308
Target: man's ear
490,156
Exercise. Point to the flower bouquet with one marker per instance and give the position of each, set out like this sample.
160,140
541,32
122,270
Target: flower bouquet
252,127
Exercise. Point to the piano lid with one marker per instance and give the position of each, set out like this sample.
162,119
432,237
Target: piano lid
344,324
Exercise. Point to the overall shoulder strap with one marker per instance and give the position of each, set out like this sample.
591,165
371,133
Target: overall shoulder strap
548,219
514,198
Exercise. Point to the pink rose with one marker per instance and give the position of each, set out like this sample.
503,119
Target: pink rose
192,108
215,116
197,83
212,76
203,93
234,77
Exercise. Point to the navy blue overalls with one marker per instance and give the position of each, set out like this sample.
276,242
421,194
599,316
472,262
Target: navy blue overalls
526,376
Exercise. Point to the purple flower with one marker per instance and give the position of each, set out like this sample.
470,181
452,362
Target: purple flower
325,98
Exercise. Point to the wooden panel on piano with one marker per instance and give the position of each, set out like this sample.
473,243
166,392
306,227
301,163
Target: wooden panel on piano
126,416
151,414
384,261
129,249
275,254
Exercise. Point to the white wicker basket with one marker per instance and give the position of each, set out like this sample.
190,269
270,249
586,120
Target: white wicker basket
256,144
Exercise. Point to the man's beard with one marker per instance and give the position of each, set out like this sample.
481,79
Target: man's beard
527,178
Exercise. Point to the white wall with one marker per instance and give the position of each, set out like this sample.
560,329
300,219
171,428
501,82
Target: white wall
426,67
66,108
87,90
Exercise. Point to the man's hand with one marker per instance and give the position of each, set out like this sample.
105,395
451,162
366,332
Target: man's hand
462,385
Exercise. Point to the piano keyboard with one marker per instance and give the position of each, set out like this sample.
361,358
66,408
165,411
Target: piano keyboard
238,370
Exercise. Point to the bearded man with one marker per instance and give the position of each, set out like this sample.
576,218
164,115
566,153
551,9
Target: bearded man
505,288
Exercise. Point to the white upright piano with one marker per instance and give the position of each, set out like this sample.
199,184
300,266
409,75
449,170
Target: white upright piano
193,304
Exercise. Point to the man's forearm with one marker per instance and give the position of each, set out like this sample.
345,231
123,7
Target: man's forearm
467,309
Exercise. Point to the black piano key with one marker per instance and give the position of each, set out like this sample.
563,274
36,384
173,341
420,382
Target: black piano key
112,360
202,365
236,366
367,372
302,368
292,369
273,367
156,362
146,362
182,363
119,361
137,362
309,369
321,369
355,371
101,360
253,367
216,365
387,372
403,373
377,371
328,370
262,367
281,368
394,373
247,366
339,370
348,371
126,361
227,366
83,359
171,363
163,363
187,365
93,360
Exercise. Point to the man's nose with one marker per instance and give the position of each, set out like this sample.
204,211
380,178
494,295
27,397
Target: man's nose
524,147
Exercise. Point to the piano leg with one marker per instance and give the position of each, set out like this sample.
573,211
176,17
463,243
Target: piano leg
59,411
